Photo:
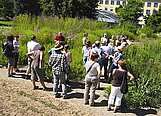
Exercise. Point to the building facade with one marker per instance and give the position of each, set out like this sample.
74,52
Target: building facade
110,5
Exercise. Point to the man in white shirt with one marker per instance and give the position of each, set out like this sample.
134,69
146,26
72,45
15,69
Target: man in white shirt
32,45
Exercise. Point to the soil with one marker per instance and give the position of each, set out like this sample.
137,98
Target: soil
17,98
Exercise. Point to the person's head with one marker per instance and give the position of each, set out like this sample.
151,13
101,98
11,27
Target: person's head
88,43
85,34
104,43
66,47
105,35
120,49
42,48
33,37
60,33
122,64
93,45
58,46
97,43
94,56
17,37
10,38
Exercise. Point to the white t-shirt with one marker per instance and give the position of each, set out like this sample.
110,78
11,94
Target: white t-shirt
32,46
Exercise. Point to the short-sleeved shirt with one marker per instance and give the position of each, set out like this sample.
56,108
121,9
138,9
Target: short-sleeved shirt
36,59
32,46
93,72
16,45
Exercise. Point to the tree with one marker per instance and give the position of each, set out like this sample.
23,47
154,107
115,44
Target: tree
27,6
6,9
154,20
69,8
131,11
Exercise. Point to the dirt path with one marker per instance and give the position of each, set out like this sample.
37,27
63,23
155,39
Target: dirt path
17,98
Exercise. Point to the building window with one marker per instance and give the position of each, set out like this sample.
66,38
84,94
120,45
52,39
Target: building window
111,9
156,4
106,9
149,4
101,1
107,1
112,2
118,2
148,12
123,2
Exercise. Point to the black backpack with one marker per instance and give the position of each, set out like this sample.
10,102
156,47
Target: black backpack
5,49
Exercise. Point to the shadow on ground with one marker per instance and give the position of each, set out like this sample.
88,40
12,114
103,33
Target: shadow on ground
140,112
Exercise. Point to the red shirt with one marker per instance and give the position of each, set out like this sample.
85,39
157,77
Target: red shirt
59,38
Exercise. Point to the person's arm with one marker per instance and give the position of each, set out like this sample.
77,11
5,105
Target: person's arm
41,58
130,76
30,55
98,72
70,59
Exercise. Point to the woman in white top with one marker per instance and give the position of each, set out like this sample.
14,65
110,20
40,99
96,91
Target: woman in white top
91,79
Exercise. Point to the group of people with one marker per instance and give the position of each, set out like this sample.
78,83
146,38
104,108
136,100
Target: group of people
106,53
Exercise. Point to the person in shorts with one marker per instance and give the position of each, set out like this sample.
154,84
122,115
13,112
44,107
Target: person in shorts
37,67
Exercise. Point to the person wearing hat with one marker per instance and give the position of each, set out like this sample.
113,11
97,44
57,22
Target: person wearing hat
58,63
32,45
86,51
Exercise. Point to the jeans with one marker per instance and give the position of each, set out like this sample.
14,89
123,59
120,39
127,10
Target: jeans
56,83
90,86
85,58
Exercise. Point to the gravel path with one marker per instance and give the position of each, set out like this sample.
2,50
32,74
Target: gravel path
17,98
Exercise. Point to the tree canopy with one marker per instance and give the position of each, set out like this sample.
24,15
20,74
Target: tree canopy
131,11
60,8
154,20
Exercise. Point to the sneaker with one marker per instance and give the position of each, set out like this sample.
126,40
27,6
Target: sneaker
45,89
64,97
91,104
36,87
56,95
109,109
10,75
13,73
86,103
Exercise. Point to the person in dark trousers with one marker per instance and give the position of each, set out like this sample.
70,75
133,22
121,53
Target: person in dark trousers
16,46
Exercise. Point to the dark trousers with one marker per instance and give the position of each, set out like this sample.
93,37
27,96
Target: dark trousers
16,59
104,63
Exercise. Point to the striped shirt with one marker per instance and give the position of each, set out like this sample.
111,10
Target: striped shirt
58,63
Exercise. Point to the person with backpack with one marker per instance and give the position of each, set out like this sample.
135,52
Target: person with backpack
8,51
